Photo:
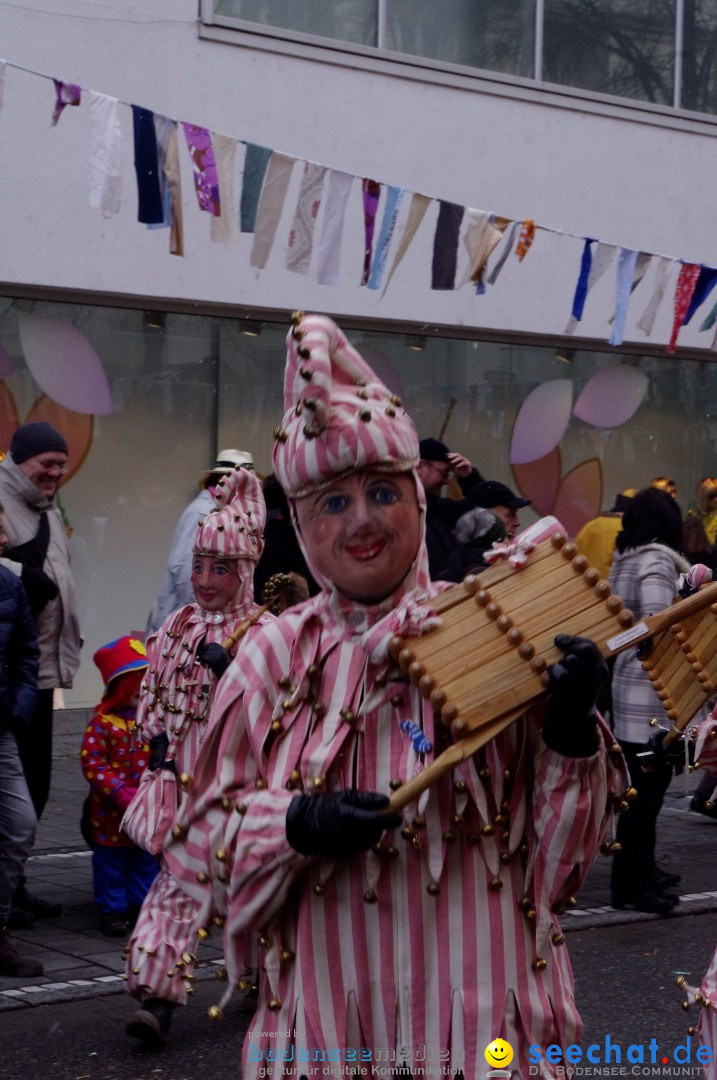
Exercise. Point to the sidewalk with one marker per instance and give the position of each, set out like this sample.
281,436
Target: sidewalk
81,962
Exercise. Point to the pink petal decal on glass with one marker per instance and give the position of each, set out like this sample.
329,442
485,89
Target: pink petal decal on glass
64,364
7,367
580,496
8,418
539,480
76,427
611,396
541,421
383,366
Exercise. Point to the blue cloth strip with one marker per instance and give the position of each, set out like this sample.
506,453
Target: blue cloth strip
705,284
394,196
581,289
146,165
625,271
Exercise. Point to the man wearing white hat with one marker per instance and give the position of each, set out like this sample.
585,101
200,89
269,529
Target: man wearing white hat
177,585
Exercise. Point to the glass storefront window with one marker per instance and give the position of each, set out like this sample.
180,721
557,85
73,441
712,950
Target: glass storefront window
699,56
185,386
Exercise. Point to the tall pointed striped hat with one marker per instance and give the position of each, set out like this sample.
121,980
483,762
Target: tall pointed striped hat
234,527
338,415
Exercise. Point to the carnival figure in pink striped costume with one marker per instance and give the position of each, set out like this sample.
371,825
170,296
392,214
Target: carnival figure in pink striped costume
706,994
186,659
386,940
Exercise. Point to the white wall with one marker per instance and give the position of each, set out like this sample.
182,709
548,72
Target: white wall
625,176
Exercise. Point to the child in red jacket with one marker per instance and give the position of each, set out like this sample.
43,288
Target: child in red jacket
122,873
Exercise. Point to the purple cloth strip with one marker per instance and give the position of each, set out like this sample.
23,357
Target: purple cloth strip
65,94
146,166
371,195
206,182
445,246
581,289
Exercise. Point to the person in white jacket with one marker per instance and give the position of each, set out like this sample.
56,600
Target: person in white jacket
177,585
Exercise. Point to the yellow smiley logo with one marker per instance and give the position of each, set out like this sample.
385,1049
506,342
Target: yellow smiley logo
499,1053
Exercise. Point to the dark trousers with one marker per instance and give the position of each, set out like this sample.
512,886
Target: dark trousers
633,866
122,877
35,745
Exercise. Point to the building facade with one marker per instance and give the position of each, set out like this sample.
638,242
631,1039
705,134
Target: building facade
595,121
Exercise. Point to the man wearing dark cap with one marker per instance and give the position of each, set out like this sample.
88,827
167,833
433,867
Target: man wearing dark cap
37,546
504,503
436,467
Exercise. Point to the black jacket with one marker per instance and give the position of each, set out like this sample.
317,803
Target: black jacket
19,654
445,553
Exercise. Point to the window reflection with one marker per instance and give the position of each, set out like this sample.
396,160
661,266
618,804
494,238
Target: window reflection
493,34
622,47
344,20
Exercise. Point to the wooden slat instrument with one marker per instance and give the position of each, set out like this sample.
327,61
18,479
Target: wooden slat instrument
486,664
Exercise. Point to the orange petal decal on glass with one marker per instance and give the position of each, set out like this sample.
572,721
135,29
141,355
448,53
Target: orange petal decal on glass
611,396
64,364
76,427
541,421
580,496
539,480
8,418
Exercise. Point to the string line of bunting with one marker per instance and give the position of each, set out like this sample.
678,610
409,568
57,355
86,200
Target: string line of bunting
265,183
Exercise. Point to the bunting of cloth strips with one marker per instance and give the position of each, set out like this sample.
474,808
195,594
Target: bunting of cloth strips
223,229
301,235
445,245
481,238
686,282
337,194
265,182
105,167
416,213
65,94
371,196
394,197
270,205
206,183
150,209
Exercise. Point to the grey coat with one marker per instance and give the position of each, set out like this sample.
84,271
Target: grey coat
58,628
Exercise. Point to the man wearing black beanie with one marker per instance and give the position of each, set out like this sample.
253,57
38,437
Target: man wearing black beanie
37,549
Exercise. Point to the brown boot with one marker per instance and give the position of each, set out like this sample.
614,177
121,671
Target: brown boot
12,964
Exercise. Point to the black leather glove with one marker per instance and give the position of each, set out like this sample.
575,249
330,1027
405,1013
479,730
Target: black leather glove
158,747
214,656
40,588
575,684
673,754
338,826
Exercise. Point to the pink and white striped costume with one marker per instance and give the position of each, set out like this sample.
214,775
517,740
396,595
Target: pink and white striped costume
444,937
176,698
706,754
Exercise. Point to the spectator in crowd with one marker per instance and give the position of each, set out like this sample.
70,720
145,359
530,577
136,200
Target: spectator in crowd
394,932
187,656
644,574
663,483
707,506
596,539
177,585
504,503
436,467
121,872
29,479
281,554
18,691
